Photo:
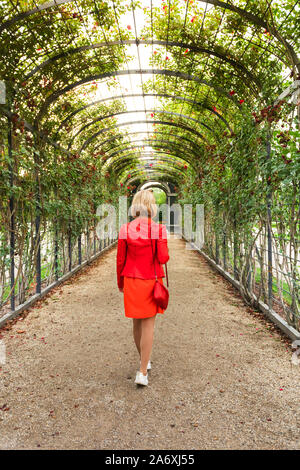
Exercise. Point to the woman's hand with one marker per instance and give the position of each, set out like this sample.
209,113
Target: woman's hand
121,289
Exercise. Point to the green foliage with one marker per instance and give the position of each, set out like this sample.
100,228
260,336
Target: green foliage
160,196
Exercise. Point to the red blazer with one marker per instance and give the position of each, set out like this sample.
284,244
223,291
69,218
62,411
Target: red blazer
134,255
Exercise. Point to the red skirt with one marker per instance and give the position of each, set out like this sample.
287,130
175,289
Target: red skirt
138,297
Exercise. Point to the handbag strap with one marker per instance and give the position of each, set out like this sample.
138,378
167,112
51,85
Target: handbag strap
167,274
154,260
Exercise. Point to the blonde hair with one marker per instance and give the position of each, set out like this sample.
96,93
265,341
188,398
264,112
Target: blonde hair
143,204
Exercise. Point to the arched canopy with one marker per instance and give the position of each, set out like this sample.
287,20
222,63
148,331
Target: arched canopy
186,71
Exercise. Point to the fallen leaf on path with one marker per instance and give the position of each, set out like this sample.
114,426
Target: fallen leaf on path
4,407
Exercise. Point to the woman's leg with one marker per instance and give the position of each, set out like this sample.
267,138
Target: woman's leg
146,341
137,332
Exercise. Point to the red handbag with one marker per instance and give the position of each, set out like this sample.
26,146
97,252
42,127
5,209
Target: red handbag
160,292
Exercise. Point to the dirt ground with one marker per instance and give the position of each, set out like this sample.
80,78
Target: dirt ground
221,376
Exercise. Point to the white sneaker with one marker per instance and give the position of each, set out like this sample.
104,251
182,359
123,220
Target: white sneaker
141,379
148,365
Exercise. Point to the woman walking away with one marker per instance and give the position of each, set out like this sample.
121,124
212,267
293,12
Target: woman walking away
136,273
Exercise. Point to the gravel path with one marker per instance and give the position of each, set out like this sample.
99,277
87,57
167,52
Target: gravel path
222,377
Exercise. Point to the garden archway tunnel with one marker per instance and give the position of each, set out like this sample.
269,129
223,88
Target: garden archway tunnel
200,98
